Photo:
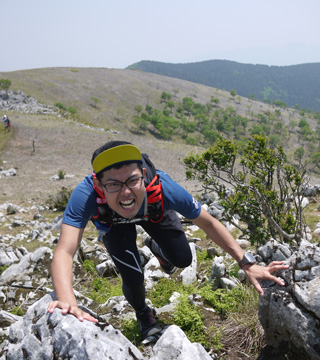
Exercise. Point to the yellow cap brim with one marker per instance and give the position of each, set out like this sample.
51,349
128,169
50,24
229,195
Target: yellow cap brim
116,155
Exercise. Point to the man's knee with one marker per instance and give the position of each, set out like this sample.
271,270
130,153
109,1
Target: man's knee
183,260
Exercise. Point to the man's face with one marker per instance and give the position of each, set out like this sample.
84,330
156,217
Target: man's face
125,202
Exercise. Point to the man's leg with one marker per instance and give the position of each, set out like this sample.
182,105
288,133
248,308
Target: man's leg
170,237
120,242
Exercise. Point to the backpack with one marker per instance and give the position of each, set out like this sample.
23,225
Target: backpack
106,216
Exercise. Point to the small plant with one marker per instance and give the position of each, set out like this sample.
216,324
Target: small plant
11,210
242,330
189,319
17,311
5,84
216,338
222,300
3,268
162,291
103,288
89,266
72,110
130,329
61,174
61,106
95,101
60,200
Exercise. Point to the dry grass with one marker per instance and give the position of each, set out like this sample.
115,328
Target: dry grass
61,145
67,147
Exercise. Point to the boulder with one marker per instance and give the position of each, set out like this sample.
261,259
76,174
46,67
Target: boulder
177,347
189,274
40,335
290,315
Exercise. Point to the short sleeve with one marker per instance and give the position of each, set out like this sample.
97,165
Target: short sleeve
175,197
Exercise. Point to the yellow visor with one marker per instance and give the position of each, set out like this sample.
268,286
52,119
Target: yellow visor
116,155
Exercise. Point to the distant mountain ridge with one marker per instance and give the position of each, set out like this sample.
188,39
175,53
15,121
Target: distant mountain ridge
293,85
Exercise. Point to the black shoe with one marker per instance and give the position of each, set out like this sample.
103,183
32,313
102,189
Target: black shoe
165,264
147,322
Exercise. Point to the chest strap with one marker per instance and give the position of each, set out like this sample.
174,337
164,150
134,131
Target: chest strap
154,208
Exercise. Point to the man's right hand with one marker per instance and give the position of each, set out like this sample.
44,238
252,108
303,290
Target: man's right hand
68,244
68,308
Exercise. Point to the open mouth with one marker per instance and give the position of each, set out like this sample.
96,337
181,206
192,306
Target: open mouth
127,204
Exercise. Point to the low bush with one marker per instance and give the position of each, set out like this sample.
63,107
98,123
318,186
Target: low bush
103,288
60,200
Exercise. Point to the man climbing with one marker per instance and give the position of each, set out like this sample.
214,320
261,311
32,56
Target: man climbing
125,190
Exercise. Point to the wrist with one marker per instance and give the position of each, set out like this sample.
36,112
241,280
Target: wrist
246,267
247,259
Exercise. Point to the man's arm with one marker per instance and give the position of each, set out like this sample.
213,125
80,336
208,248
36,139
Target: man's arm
222,237
62,274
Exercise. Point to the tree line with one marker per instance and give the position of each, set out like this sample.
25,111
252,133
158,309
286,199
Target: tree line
295,84
204,124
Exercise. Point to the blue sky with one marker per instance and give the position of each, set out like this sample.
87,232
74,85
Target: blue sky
118,33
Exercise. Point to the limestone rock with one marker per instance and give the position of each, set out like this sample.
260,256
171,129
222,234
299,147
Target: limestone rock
41,335
177,347
290,315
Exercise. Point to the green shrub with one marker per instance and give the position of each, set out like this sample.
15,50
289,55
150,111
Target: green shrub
60,200
103,288
229,301
89,266
63,107
72,110
17,311
61,174
189,319
5,84
3,268
162,291
130,329
60,106
203,256
191,141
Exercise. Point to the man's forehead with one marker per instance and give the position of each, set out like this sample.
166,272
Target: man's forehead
126,171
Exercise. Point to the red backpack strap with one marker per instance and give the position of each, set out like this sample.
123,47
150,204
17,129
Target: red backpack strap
99,192
155,199
100,199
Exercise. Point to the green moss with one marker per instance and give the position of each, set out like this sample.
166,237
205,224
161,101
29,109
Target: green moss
189,319
89,266
102,289
130,329
17,311
3,268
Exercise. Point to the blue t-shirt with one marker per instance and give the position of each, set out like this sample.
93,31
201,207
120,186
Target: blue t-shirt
82,204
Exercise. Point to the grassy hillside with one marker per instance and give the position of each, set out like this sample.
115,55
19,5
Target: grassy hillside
62,145
296,84
118,92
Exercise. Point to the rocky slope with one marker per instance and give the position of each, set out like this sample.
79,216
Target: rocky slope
25,285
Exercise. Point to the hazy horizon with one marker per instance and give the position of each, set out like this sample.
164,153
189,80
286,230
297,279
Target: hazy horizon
113,34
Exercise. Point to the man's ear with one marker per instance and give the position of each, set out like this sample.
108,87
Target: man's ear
96,183
144,171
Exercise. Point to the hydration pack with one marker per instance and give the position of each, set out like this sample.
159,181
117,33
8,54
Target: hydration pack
106,216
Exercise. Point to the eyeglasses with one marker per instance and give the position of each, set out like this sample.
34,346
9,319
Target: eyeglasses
116,186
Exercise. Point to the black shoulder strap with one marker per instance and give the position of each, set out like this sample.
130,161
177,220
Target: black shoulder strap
151,170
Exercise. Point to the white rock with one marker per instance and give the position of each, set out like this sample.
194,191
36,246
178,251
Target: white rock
174,345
